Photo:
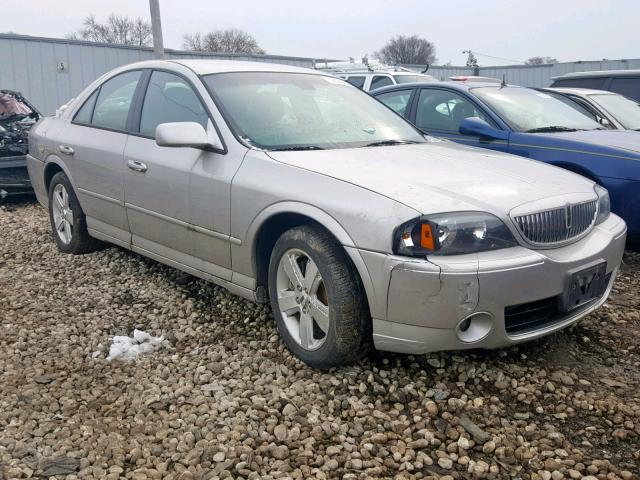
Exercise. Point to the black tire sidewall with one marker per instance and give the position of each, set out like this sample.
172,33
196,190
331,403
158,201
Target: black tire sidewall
80,238
348,337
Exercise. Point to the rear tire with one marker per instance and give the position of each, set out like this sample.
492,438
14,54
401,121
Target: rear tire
68,221
317,299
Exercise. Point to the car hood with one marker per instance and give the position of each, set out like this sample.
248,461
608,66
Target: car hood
623,139
443,176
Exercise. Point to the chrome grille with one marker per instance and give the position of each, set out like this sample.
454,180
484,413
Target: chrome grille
558,225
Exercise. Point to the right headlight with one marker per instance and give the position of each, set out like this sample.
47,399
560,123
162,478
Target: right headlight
604,204
452,233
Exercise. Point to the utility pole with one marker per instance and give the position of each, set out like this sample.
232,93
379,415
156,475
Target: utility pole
156,29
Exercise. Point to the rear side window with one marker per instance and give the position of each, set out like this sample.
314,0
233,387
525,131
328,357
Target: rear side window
380,81
114,101
397,101
594,83
356,81
629,87
84,114
170,98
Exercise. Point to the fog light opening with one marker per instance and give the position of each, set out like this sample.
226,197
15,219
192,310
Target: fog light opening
474,327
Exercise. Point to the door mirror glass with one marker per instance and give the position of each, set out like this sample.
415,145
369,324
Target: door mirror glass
478,127
182,134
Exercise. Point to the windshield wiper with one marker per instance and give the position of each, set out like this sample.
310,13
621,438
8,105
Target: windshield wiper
383,143
291,148
552,128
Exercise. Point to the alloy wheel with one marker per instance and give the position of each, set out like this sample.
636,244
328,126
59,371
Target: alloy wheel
302,299
62,214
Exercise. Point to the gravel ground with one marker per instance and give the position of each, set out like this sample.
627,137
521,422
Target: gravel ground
224,399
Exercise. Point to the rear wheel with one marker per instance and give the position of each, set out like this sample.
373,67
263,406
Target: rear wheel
317,299
67,219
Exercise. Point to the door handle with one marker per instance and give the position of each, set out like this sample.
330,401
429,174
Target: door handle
66,149
137,166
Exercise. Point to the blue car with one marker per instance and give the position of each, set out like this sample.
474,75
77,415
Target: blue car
529,123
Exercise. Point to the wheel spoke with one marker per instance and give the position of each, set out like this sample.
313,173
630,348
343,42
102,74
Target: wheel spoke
311,276
287,301
69,218
67,231
293,271
65,197
58,221
58,198
320,314
306,330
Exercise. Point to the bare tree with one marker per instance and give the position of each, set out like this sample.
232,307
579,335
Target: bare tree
409,50
540,60
117,29
224,41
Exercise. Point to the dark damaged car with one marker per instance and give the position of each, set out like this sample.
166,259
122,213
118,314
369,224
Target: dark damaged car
17,116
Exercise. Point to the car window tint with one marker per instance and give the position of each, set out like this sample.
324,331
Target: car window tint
444,110
114,101
356,81
397,101
629,87
170,98
380,81
84,114
595,83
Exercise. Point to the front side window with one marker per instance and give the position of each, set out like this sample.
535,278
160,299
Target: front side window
284,111
527,110
576,103
397,101
626,111
169,98
379,81
444,110
114,101
357,81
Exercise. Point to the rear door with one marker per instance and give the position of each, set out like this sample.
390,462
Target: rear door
93,146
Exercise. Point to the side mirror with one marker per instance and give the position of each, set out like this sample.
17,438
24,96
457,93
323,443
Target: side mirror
478,127
604,122
182,134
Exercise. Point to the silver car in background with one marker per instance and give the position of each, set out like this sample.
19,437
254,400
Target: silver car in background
291,186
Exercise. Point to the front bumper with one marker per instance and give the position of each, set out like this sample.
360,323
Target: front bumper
419,304
14,177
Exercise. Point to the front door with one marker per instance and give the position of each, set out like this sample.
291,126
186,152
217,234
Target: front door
439,112
169,211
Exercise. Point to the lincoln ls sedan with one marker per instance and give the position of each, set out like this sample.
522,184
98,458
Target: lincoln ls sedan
290,186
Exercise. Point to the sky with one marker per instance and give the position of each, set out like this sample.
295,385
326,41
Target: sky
514,31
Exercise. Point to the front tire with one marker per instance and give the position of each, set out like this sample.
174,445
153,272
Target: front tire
68,221
317,299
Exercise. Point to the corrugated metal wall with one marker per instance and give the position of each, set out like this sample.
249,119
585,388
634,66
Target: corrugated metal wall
532,75
30,65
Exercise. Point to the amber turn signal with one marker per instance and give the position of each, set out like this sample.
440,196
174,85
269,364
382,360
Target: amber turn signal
426,237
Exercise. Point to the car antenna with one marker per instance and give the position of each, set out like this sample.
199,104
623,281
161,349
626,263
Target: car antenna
504,81
426,68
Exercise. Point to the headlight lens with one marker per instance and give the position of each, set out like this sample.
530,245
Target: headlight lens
451,234
604,204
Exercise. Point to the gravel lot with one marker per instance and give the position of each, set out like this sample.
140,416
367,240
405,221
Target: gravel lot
224,399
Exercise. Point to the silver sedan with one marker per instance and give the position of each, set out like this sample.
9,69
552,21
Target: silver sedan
291,186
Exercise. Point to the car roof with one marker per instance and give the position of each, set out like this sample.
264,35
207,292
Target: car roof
207,66
461,86
599,73
579,91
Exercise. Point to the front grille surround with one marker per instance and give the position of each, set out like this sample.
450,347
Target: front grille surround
558,226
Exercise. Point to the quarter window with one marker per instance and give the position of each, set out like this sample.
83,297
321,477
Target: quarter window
356,81
84,114
114,101
379,81
444,110
170,98
397,101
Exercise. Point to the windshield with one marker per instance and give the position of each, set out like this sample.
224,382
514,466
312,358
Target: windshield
527,110
287,111
626,111
412,78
